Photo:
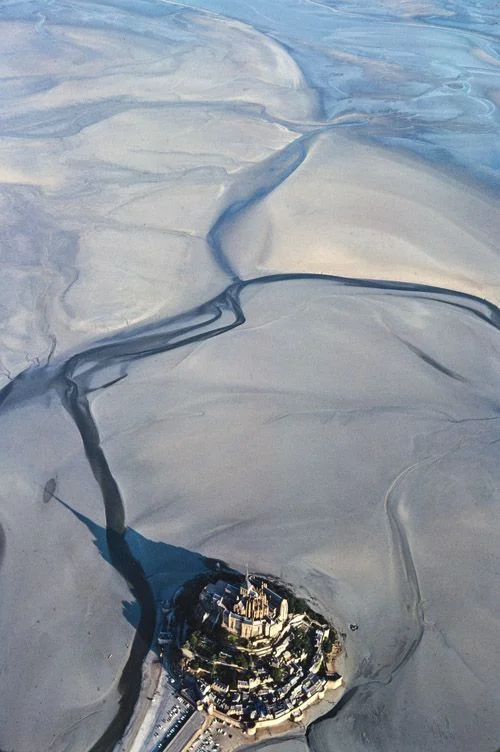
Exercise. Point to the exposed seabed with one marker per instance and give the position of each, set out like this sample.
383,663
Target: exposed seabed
249,313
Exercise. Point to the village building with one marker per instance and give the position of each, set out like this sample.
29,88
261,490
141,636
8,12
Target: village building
255,662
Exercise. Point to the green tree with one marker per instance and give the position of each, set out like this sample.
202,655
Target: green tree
327,645
277,674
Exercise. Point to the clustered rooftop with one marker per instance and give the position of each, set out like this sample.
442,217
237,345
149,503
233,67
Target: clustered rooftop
257,663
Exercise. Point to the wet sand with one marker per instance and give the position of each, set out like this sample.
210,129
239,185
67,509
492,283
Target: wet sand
249,285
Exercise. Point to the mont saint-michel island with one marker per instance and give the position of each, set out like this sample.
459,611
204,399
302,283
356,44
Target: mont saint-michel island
239,658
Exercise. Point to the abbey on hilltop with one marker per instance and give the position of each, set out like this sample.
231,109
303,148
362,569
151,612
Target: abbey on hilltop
250,611
256,655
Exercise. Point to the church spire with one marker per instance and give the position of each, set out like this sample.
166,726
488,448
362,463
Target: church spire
248,582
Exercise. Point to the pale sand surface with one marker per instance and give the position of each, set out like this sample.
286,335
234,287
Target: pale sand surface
144,712
347,442
355,210
119,162
116,167
64,635
223,452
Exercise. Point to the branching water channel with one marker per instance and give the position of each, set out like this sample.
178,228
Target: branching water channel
73,378
276,80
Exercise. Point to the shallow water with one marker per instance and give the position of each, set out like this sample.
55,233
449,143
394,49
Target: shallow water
249,295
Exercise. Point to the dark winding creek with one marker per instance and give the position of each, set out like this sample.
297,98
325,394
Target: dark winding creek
218,316
318,137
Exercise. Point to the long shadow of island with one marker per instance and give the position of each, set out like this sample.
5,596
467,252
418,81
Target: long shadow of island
145,565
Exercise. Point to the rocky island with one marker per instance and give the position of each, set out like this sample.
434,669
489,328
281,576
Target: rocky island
255,661
241,657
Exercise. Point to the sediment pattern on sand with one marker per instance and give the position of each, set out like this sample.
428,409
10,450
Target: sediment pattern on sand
249,292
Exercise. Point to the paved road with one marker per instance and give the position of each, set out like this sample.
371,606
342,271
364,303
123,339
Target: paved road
179,742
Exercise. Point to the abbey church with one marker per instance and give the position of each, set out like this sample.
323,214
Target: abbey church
250,610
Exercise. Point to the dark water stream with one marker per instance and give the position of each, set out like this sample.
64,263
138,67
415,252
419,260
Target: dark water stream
372,67
217,317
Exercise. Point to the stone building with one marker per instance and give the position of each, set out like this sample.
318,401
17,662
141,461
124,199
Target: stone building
250,610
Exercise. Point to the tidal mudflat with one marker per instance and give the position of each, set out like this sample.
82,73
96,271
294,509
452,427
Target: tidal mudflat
250,281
